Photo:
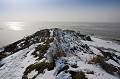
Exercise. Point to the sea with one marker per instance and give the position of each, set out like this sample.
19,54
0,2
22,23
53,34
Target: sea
13,31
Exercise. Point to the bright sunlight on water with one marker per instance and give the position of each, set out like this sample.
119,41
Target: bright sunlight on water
17,26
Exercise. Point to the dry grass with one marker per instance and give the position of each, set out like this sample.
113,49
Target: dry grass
40,50
111,69
63,69
78,75
74,66
58,54
40,67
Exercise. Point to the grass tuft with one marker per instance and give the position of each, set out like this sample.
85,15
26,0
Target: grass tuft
78,75
63,69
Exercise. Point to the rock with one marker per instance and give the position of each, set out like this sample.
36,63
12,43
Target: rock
88,38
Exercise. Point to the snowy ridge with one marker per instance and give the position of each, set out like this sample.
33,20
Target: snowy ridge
60,54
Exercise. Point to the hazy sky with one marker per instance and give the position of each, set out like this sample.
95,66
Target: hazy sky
60,10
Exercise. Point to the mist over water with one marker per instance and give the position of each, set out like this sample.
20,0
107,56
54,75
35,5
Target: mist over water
13,31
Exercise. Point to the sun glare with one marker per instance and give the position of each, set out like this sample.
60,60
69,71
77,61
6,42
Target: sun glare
17,26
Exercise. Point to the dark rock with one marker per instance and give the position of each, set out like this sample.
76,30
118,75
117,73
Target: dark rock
88,38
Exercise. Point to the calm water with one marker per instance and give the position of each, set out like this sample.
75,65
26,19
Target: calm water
13,31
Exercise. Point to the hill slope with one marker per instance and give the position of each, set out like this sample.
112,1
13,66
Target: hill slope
60,54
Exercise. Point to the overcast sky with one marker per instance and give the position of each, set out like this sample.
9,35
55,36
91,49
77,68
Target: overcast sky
60,10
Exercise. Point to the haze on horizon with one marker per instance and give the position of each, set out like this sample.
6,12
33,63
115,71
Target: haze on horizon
60,10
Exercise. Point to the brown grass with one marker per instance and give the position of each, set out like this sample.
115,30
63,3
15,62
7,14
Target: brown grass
40,67
111,69
78,75
63,69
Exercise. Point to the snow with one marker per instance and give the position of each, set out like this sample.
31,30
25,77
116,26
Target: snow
32,74
96,51
15,65
51,32
99,73
113,62
102,43
64,75
46,75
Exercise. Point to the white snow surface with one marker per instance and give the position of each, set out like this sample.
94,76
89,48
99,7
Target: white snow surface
103,43
32,74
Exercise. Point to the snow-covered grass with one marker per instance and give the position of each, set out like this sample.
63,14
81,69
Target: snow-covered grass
15,65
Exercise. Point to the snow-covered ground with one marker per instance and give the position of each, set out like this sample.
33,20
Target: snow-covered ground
103,43
78,52
15,65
